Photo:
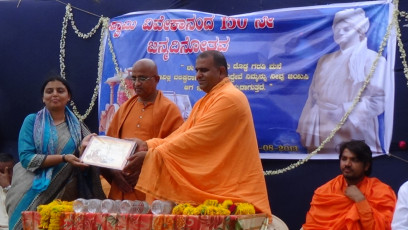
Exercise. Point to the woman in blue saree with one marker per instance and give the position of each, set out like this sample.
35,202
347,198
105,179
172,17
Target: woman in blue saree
49,144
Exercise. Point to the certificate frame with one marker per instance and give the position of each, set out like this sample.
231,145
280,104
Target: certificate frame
108,152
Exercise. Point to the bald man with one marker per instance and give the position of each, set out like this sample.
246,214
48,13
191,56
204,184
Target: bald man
146,115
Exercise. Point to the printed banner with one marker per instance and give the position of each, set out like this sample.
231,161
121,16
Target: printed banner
300,68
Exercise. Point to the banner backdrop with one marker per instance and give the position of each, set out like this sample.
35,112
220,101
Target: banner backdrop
300,69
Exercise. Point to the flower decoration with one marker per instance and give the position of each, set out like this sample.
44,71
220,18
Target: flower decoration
213,207
50,213
232,208
227,203
190,210
103,23
244,209
211,203
180,208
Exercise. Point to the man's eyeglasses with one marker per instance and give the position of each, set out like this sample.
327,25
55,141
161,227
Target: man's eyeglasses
141,78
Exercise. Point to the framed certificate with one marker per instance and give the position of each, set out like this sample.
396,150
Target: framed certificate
108,152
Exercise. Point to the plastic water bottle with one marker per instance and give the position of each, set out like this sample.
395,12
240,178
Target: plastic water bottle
94,205
162,207
80,205
125,206
140,207
110,206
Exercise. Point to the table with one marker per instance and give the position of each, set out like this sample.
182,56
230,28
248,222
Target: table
113,221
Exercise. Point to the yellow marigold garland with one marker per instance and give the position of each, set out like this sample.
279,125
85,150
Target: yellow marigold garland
227,203
211,203
212,207
244,209
190,210
179,209
50,213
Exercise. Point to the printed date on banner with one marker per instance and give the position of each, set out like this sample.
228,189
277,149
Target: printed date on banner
280,148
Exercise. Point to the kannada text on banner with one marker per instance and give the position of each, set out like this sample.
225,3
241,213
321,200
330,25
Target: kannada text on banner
290,63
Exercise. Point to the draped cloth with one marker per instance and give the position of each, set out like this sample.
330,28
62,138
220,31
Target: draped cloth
33,185
330,209
166,118
213,155
159,120
46,142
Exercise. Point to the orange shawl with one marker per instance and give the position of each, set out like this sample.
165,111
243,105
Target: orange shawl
331,209
213,155
166,118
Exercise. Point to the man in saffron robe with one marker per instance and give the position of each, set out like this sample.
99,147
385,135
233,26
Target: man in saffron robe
146,115
213,155
353,200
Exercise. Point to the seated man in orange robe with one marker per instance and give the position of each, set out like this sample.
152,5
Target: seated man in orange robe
213,155
146,115
352,200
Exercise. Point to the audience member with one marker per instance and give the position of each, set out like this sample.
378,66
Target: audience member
352,200
400,219
48,146
6,173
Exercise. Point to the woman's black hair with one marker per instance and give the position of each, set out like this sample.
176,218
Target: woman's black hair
57,78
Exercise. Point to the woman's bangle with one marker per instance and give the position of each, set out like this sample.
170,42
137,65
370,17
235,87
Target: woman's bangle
63,158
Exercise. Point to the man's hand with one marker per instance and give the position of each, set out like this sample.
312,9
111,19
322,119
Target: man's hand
119,179
5,178
353,193
134,167
141,145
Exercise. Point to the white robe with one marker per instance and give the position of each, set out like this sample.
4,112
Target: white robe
400,219
337,79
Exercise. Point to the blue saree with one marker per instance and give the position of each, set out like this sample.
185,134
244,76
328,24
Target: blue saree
38,138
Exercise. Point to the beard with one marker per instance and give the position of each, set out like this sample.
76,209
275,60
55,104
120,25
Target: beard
351,176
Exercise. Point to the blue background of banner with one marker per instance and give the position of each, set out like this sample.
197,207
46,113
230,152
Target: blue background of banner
299,37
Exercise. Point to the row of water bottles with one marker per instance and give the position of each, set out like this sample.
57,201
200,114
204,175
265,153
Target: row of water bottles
122,206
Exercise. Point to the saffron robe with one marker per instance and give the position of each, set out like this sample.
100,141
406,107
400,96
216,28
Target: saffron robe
213,155
159,119
332,209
